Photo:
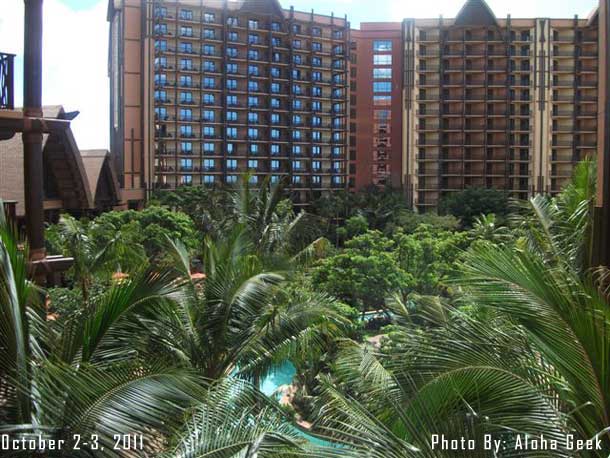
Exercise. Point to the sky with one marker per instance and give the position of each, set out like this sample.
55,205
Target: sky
76,44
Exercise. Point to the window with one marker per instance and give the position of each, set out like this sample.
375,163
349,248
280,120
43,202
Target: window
209,83
382,73
186,179
337,34
297,180
316,61
253,24
275,72
209,66
382,99
254,149
232,21
161,96
209,148
253,102
316,91
209,99
231,84
296,74
297,104
208,115
316,165
253,179
316,105
231,179
275,179
161,113
186,164
252,133
186,114
297,165
382,45
275,133
209,179
209,164
275,150
209,50
253,117
208,132
232,68
232,52
275,41
252,164
275,118
315,46
186,64
231,132
316,151
275,88
254,39
186,131
296,135
296,44
382,86
275,103
209,34
297,59
231,116
186,31
296,89
160,29
161,45
316,121
253,54
253,86
296,150
316,180
231,100
230,148
209,17
316,136
276,57
316,31
253,70
316,76
276,26
233,36
160,62
186,47
275,165
296,28
160,11
186,148
382,59
186,81
231,164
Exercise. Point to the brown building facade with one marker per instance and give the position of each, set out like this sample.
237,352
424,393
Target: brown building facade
205,91
503,103
376,142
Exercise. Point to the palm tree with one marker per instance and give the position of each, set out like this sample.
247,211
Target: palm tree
238,320
89,259
535,364
60,379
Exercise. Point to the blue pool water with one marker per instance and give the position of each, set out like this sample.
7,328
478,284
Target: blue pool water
283,375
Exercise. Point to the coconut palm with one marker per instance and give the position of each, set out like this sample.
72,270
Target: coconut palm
536,364
238,320
60,379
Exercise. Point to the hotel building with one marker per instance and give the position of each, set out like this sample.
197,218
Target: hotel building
497,103
203,91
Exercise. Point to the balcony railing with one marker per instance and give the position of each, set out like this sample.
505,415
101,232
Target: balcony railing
7,81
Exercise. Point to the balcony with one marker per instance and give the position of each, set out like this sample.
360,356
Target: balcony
7,83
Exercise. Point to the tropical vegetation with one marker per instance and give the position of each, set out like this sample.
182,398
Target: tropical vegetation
489,320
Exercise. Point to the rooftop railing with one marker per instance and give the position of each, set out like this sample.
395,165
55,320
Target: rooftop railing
7,81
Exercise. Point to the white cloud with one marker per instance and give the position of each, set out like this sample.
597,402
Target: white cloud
74,63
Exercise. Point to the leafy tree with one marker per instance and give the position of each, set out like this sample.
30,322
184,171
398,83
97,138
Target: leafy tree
472,202
364,272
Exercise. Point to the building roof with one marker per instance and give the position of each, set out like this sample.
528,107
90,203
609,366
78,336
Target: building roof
476,12
67,183
101,176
